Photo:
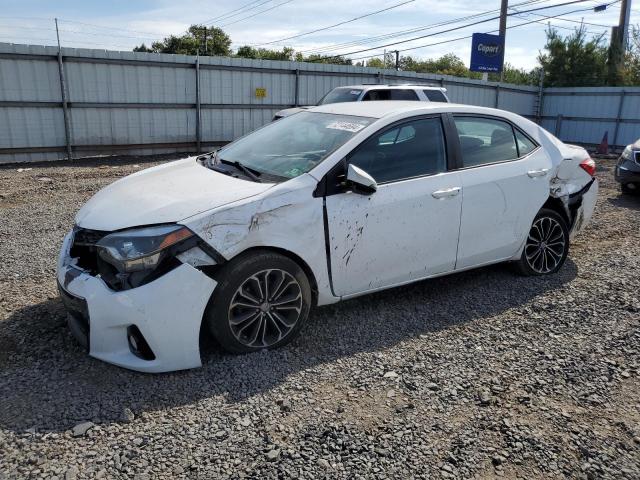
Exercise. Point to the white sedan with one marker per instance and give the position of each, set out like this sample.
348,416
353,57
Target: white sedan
328,204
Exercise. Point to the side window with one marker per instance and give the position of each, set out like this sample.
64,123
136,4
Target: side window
525,146
435,95
375,95
412,149
485,140
403,95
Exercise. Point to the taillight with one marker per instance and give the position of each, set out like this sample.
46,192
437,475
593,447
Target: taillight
589,166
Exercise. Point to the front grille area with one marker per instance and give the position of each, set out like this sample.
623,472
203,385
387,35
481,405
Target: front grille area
78,316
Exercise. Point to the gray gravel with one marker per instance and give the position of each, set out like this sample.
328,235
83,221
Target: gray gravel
479,374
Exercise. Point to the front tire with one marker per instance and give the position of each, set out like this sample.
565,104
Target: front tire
547,245
262,301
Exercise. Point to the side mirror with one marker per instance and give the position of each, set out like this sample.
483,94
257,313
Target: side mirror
360,181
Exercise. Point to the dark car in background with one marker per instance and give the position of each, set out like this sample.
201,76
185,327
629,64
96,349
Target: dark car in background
627,171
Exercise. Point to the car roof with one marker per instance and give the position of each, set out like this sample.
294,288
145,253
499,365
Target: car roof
380,109
377,86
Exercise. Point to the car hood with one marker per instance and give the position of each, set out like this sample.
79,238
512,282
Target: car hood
163,194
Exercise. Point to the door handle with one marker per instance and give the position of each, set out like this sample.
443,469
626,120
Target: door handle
447,192
538,173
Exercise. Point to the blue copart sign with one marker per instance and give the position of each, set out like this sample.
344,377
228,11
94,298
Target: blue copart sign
487,52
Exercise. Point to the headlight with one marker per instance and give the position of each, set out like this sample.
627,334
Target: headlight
140,249
626,153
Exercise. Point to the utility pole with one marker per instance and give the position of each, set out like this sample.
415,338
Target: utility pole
205,40
504,5
63,95
397,60
618,44
623,24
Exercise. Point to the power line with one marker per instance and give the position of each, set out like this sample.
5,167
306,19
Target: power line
110,28
570,20
460,27
226,15
256,14
548,17
107,34
402,33
338,24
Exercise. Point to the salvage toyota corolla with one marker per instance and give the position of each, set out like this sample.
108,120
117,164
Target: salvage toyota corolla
324,205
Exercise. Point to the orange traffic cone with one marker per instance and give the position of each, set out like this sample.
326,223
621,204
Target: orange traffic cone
603,148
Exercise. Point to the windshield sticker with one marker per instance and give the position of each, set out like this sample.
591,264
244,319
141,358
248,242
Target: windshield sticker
346,126
355,92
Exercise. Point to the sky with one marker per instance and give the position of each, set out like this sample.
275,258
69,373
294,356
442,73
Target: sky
121,25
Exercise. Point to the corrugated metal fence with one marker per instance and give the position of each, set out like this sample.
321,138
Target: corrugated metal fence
585,115
140,103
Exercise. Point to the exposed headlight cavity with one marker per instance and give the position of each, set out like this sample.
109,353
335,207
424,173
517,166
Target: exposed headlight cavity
139,255
140,249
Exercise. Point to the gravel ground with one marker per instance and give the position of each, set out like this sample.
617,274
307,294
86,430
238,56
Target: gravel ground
480,374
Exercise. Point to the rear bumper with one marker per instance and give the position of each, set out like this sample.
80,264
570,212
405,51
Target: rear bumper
167,313
586,201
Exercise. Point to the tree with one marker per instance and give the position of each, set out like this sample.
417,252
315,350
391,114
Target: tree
574,60
388,60
631,69
192,42
337,60
518,76
143,48
375,63
246,51
449,64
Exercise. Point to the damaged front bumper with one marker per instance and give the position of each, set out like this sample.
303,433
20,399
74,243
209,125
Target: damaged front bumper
151,328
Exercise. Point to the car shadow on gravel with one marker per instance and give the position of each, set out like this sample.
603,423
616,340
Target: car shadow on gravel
626,201
48,383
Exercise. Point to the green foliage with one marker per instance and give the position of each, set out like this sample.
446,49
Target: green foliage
631,73
574,60
449,64
192,42
375,63
338,60
286,53
517,76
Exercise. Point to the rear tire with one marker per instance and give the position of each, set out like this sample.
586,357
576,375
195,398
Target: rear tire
262,301
547,245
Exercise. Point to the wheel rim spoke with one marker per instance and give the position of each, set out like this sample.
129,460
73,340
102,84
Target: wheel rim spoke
265,308
248,324
248,296
281,320
545,245
276,290
241,318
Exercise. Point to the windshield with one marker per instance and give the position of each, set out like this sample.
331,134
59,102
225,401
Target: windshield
293,145
339,95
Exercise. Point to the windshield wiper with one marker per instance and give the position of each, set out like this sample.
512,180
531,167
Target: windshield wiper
252,174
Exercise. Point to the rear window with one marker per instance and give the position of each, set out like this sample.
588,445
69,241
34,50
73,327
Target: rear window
390,94
435,95
341,95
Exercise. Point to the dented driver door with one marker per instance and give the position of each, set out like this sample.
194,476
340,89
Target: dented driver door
407,229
